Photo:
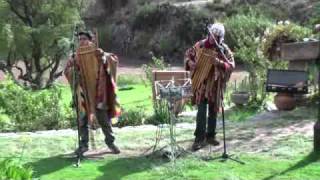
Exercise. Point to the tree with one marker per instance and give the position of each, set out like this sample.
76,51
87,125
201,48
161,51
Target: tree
36,33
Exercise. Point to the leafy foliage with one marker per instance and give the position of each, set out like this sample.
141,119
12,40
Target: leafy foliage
157,64
283,32
36,32
10,169
160,108
29,110
161,113
132,117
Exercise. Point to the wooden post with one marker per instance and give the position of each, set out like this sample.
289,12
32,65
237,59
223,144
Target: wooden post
316,129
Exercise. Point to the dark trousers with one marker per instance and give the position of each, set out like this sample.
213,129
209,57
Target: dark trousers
105,126
205,126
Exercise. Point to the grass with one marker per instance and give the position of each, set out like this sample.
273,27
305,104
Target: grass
139,96
286,156
240,113
304,166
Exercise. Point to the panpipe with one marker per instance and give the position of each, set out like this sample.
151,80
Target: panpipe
88,66
204,59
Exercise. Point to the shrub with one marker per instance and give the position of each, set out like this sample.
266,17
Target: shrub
132,117
5,122
10,169
283,32
242,31
161,114
157,63
33,110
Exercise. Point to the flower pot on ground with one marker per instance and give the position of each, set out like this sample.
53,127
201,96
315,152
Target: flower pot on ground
240,97
285,101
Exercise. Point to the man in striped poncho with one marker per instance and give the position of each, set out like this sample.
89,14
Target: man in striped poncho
210,90
95,90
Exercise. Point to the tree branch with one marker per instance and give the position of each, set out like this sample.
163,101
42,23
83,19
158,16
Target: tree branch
16,12
27,13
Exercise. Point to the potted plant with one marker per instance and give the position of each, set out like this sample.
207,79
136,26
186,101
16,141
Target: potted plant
241,95
283,32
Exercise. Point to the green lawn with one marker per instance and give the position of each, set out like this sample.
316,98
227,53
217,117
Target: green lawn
284,156
43,156
139,96
303,167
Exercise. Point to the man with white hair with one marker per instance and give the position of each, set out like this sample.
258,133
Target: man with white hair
210,90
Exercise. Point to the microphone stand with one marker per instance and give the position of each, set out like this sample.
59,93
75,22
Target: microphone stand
75,94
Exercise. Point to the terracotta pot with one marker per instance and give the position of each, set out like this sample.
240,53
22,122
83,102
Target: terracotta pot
285,101
240,98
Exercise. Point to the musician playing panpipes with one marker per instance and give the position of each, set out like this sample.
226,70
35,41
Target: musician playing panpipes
208,87
95,88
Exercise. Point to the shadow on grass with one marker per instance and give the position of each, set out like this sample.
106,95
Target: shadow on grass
311,158
50,165
122,167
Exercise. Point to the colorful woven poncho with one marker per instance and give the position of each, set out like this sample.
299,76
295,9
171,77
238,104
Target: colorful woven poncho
94,82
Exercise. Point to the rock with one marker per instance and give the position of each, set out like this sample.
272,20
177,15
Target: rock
270,107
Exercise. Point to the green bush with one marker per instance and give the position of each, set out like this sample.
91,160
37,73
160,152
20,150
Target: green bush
283,32
157,64
243,31
132,117
244,34
12,170
5,122
161,114
34,110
